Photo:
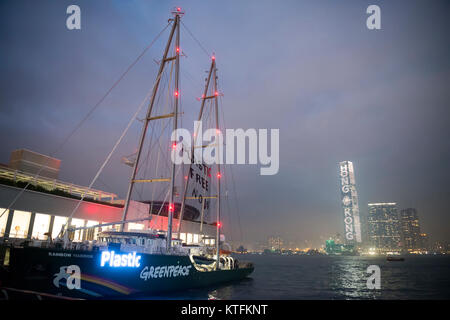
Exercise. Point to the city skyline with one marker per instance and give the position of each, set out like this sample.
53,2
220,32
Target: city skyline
342,92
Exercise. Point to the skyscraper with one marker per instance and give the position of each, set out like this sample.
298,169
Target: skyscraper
349,202
410,228
384,226
275,243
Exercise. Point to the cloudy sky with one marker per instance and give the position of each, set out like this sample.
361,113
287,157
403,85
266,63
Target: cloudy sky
336,90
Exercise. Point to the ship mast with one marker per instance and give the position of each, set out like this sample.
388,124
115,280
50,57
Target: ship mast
219,174
211,75
204,98
177,12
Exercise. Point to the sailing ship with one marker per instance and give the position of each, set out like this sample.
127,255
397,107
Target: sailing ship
125,262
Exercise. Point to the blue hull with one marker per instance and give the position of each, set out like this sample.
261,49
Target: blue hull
84,274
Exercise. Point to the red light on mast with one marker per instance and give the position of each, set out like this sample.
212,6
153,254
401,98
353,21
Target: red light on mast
213,57
178,49
216,93
176,93
174,145
219,175
219,224
171,207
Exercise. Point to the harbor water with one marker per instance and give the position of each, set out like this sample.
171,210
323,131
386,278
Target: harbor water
292,277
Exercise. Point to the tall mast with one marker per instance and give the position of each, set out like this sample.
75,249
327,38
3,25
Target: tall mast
175,126
164,60
212,74
204,98
219,174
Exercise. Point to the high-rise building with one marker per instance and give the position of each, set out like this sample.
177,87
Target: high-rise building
424,242
409,221
349,202
384,226
275,243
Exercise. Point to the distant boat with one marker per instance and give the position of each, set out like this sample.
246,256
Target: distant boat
395,259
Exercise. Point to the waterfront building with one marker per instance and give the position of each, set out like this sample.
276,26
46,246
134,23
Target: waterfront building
410,229
47,204
349,202
384,226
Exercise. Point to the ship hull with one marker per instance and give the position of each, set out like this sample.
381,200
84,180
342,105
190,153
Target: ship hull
84,274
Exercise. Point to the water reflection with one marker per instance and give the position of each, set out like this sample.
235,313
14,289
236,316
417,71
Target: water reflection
348,279
324,277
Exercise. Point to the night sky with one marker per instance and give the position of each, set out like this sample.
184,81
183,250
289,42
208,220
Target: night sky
336,90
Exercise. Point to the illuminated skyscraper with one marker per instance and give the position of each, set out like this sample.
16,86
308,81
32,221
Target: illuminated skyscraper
349,201
384,226
275,243
409,220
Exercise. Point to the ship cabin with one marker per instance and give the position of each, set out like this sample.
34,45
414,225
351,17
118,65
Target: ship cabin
139,241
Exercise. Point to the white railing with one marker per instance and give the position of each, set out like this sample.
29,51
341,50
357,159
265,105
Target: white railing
53,184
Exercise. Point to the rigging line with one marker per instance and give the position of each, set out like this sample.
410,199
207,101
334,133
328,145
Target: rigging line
194,81
164,201
195,39
151,129
232,178
165,83
159,137
157,102
228,204
157,141
86,117
111,153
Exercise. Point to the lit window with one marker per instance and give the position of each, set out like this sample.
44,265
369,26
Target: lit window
20,224
189,238
135,226
183,237
40,227
3,220
196,238
78,233
91,233
57,225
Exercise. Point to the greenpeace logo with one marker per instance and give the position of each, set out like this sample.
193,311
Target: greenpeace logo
164,272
